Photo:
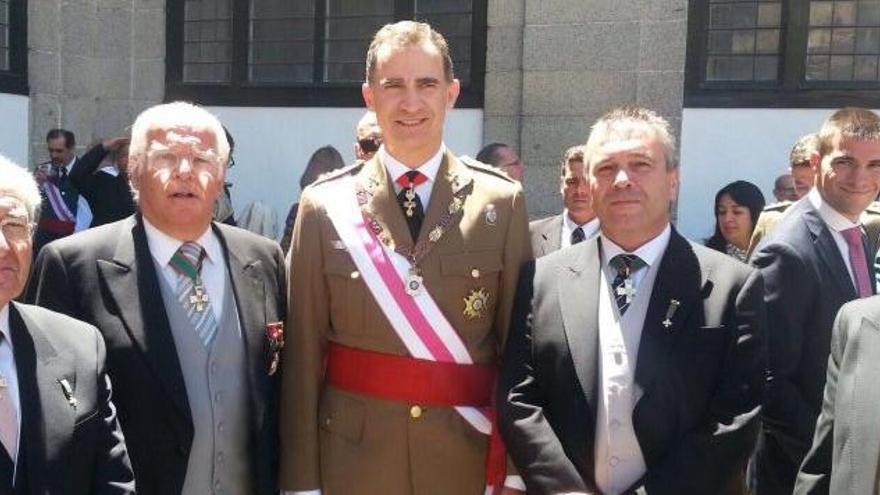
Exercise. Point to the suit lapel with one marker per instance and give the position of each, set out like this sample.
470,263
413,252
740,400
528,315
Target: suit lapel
678,278
577,281
47,419
250,299
860,373
828,252
551,239
383,205
133,283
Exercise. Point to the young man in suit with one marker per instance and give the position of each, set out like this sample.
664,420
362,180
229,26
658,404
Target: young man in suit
191,311
817,259
403,270
577,222
635,360
58,427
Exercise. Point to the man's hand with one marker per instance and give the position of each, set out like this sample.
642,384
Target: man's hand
115,143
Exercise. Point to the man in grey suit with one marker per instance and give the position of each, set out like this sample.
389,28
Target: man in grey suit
58,427
634,360
191,311
846,444
816,260
577,222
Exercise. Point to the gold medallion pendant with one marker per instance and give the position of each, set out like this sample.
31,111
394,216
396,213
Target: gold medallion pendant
476,304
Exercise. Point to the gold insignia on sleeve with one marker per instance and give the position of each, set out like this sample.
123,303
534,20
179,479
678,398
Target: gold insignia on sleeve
476,304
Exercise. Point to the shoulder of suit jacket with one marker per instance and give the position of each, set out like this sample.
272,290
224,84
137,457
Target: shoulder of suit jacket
479,166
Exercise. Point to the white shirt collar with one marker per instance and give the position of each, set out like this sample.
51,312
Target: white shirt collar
163,246
571,225
4,324
649,252
829,215
396,168
70,165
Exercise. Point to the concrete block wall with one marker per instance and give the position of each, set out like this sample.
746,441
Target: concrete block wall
554,66
93,65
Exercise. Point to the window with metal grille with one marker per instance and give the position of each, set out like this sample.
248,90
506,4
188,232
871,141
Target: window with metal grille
13,46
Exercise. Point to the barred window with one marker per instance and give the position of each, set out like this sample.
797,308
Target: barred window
13,46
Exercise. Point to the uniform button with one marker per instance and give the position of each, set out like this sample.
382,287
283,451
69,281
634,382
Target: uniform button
327,422
475,273
218,397
614,461
221,426
355,275
415,412
615,424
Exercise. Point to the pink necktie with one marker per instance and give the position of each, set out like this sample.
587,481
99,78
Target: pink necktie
8,415
857,260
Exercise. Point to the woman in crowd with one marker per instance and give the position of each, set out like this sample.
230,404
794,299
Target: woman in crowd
325,159
737,206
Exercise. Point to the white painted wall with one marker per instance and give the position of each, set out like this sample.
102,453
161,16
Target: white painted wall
719,146
14,128
273,145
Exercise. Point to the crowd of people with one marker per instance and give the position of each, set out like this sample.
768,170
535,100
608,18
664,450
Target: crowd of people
417,335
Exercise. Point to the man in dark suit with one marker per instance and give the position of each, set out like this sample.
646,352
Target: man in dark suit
816,260
190,310
58,428
105,189
846,445
577,222
635,361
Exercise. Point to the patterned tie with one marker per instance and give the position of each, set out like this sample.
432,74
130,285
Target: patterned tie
622,285
187,262
8,415
858,260
577,235
68,193
410,201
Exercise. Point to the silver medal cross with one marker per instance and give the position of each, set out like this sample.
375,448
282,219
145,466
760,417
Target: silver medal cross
199,299
627,290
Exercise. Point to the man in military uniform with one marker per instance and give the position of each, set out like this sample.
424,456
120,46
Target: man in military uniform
402,271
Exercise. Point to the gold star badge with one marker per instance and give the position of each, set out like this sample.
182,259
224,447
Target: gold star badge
476,304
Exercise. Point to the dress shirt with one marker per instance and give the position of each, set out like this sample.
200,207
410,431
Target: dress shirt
619,461
590,229
429,169
836,223
162,248
8,370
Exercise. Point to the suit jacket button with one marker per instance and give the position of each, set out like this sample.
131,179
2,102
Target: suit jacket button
415,412
475,273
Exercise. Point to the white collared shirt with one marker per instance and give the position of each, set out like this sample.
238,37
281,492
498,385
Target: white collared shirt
649,252
591,229
836,223
430,168
162,248
8,370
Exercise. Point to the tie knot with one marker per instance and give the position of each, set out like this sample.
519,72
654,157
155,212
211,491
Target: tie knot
413,177
188,259
853,235
626,264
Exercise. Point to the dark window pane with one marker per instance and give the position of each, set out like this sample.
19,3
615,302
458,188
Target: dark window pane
720,42
744,42
452,18
766,68
843,40
769,14
819,41
844,13
729,69
207,37
867,40
281,41
865,68
349,28
868,13
821,13
767,41
4,35
841,68
817,68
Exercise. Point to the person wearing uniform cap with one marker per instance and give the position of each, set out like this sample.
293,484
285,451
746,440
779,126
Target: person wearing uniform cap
402,275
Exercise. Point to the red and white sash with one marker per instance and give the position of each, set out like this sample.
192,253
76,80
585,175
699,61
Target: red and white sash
417,320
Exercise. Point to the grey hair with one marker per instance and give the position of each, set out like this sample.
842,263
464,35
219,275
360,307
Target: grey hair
631,121
17,182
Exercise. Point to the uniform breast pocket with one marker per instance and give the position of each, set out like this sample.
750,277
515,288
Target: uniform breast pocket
472,281
346,290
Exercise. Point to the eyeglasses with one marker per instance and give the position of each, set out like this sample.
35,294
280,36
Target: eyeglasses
370,144
15,229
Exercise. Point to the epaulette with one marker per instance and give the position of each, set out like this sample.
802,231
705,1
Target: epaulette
780,206
484,167
333,174
873,208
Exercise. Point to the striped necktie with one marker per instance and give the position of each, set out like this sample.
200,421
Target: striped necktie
187,262
622,285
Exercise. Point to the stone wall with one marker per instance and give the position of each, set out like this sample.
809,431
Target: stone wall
554,66
93,65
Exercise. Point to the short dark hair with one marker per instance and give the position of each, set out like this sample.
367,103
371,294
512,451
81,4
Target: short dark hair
69,138
489,153
325,159
743,193
408,33
849,123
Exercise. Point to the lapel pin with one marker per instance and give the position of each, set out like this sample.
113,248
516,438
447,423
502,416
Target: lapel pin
67,390
670,312
491,214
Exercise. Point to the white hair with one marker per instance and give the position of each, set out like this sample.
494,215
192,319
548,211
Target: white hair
17,182
168,116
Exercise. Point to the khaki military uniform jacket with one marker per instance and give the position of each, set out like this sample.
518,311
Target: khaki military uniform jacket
345,443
